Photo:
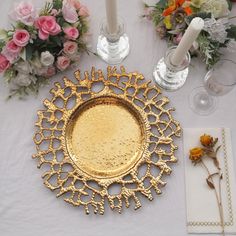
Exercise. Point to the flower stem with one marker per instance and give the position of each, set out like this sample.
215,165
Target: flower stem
218,197
221,206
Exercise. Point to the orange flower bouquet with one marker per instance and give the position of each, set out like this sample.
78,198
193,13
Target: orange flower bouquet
172,17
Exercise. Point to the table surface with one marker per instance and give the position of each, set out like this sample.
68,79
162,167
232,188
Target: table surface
28,208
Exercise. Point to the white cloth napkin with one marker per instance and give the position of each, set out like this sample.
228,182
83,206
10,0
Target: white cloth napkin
201,205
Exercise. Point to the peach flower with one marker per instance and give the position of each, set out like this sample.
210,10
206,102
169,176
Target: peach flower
83,11
71,32
63,62
70,48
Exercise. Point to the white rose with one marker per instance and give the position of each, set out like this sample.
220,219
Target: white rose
36,63
38,68
23,67
23,79
218,8
47,59
40,71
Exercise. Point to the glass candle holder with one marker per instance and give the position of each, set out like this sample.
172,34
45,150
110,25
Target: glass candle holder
113,48
169,76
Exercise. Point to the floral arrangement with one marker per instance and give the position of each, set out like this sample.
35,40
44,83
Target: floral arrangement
172,17
42,43
198,155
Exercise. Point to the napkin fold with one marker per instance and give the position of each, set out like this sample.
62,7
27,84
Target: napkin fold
202,209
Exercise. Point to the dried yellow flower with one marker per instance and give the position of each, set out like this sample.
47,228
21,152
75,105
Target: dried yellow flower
206,140
196,154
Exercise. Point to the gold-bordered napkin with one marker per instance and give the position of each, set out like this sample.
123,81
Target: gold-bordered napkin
202,210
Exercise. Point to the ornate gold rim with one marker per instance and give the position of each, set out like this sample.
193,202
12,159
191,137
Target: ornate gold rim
80,188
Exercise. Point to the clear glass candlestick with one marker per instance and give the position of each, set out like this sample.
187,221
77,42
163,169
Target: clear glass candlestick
168,76
113,48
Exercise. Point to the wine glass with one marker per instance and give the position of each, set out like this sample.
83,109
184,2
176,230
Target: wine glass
220,80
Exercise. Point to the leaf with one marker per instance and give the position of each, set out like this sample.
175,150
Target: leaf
217,149
212,175
202,15
29,52
23,54
215,141
211,154
210,184
175,32
230,4
221,176
57,4
232,32
3,34
217,164
162,3
56,40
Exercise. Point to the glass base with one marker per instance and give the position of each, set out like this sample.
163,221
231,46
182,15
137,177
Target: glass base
201,102
169,82
113,52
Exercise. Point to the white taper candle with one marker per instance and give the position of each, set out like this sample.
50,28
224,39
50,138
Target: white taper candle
187,41
111,10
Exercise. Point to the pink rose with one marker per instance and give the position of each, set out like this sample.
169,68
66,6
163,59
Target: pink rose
13,47
47,25
25,13
11,51
63,62
51,71
4,63
70,48
69,12
83,11
21,37
71,33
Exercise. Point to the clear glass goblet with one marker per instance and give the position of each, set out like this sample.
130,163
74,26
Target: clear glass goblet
220,80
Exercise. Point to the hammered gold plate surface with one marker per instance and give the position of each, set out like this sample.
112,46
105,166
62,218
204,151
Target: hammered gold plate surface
99,133
105,137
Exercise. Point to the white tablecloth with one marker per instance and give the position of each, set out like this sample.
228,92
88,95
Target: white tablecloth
28,208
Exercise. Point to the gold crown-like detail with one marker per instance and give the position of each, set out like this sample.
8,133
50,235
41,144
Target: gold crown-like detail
157,147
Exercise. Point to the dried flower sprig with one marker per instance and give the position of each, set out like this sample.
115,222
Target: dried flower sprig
197,155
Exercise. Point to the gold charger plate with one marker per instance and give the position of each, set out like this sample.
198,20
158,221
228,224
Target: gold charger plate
106,138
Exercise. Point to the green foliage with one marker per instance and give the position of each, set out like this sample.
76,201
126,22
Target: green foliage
47,9
57,4
29,52
19,25
162,4
9,74
157,16
209,50
202,15
232,32
33,88
230,4
83,26
2,44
